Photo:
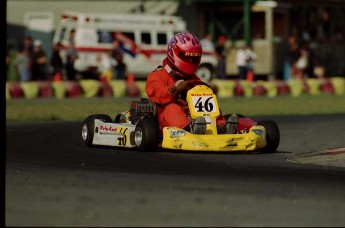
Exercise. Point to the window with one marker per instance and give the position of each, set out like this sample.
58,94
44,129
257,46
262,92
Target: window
104,37
145,38
129,35
162,38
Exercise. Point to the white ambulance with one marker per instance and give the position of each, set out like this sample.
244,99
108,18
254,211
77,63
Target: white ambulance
144,36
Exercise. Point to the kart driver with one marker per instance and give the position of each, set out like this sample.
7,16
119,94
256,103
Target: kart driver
167,83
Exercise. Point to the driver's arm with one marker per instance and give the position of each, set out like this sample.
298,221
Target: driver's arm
158,88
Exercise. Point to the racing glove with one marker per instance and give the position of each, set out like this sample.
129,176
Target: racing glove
179,87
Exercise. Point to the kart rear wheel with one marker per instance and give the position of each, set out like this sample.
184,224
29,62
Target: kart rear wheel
146,134
88,128
272,136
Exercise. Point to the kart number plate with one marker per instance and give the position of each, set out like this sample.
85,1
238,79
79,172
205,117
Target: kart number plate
203,103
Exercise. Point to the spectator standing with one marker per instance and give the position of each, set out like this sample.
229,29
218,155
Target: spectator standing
120,67
251,58
207,44
302,63
221,56
71,57
22,62
71,37
107,66
241,62
39,62
12,72
292,54
56,60
28,45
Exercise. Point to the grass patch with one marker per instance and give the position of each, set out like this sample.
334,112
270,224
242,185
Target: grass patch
76,109
302,105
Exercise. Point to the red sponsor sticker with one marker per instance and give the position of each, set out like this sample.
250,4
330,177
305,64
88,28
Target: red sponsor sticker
107,128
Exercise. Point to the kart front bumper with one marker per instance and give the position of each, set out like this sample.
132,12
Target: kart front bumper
179,139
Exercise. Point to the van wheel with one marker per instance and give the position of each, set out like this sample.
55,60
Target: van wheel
205,72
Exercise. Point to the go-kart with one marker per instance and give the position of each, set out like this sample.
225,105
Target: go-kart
138,128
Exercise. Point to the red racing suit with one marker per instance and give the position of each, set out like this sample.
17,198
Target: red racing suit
170,109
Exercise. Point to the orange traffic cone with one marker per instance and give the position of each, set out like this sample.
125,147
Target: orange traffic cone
132,88
250,76
130,78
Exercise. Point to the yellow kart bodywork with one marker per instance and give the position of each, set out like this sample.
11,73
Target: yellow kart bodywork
203,102
179,139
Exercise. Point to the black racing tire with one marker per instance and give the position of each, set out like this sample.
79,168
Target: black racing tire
120,118
272,136
146,135
88,127
241,115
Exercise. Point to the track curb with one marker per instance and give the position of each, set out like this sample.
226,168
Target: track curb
329,157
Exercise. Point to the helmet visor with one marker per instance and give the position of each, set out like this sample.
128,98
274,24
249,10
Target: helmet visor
190,57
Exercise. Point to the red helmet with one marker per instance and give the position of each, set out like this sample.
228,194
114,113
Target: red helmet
184,52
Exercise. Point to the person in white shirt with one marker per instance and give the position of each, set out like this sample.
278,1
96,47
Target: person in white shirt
241,61
251,58
207,43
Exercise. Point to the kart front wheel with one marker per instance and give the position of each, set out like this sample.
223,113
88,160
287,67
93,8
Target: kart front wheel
146,134
88,128
120,118
272,136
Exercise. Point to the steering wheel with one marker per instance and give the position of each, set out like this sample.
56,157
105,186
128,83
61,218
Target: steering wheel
192,83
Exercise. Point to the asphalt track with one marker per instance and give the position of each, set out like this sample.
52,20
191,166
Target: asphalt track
53,179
